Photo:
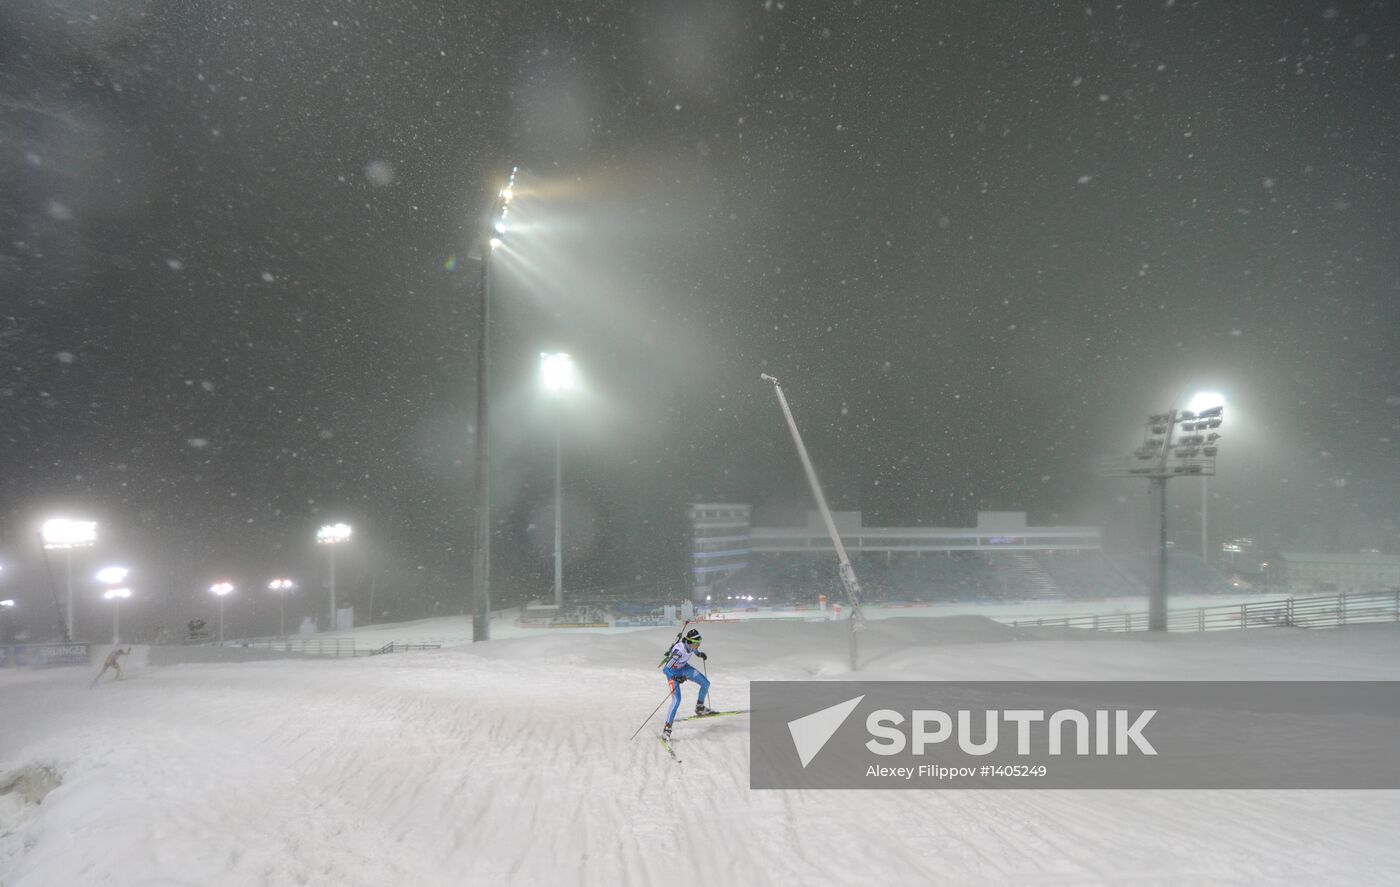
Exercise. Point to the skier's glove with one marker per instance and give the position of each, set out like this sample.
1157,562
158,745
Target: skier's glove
679,679
702,655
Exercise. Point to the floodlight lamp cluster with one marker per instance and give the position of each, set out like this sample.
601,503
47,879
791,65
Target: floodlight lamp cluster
332,534
281,585
1191,453
499,226
64,533
221,588
112,575
1163,453
558,372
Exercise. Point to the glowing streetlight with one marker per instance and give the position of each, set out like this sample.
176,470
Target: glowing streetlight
221,590
558,373
64,534
481,488
332,535
116,596
112,575
283,587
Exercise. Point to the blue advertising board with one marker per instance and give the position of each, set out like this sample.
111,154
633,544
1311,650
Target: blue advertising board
46,655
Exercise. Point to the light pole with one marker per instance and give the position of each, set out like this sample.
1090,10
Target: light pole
66,535
116,596
332,535
283,587
481,487
5,607
558,374
1160,459
221,590
114,576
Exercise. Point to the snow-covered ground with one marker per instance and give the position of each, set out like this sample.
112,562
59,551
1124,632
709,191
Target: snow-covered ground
509,763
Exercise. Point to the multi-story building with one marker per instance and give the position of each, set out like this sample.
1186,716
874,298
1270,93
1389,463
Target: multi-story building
719,545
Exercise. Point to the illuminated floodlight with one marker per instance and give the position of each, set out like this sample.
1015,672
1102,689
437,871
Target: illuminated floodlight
222,590
112,575
499,225
281,585
60,532
7,603
1203,401
333,534
116,593
558,372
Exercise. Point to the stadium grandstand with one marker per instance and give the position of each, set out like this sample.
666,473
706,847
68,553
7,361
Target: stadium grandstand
1002,558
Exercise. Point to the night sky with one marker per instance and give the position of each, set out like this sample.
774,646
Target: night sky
977,242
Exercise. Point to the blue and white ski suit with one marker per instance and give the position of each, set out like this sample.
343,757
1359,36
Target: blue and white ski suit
678,664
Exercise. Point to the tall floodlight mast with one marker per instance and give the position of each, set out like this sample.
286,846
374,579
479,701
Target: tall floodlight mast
64,535
1159,459
848,573
560,376
333,536
481,487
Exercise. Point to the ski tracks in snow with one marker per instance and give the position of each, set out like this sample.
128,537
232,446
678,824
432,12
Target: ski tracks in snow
466,768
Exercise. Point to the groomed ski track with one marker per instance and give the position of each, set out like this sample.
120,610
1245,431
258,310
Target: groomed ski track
509,763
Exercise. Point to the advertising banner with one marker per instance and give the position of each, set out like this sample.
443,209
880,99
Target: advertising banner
46,655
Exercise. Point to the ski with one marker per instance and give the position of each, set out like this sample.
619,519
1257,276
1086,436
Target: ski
714,714
670,751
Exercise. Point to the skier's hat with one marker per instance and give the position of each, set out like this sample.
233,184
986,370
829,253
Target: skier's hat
692,637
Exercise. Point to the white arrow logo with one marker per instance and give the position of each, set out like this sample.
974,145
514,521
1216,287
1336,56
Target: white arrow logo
811,733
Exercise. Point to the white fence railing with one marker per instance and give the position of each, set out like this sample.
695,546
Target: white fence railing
1299,612
300,645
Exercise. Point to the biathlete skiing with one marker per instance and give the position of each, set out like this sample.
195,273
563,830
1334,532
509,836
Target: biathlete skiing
111,662
678,670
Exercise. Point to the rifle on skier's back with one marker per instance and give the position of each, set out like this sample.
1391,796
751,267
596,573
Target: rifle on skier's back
679,635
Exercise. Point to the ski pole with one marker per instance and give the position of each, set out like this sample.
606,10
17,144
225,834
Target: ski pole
650,716
705,667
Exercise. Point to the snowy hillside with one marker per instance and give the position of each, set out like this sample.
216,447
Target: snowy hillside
509,763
